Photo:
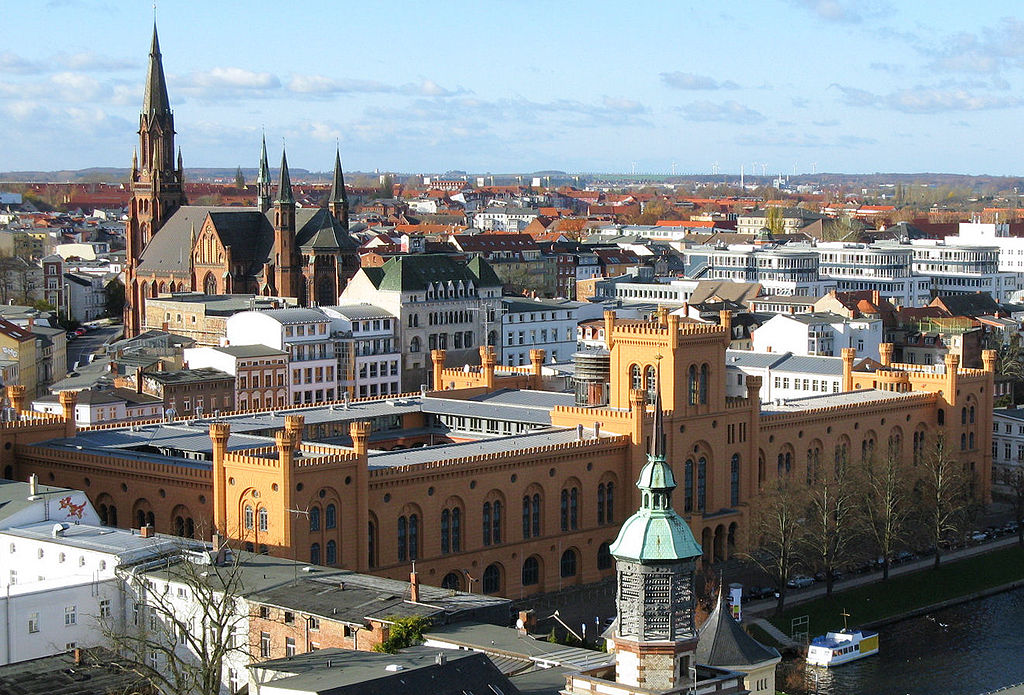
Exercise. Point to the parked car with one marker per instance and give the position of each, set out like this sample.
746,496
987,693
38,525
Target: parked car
759,593
903,556
80,331
979,536
800,581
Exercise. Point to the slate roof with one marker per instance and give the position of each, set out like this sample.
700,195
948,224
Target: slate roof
186,376
721,641
99,672
978,304
411,273
250,351
347,672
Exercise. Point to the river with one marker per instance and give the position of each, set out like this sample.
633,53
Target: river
972,648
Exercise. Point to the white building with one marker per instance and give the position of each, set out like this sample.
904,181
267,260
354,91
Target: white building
368,358
504,219
964,269
85,297
823,334
95,406
783,376
1007,442
305,334
779,270
539,324
1011,248
887,270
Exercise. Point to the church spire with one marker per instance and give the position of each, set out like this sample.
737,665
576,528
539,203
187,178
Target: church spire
338,202
263,183
155,101
284,185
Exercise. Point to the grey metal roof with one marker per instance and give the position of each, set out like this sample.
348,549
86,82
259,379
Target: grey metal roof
358,311
126,543
721,641
496,445
250,351
811,364
506,404
506,641
833,399
296,315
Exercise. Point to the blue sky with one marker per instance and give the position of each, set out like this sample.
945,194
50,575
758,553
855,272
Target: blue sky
837,85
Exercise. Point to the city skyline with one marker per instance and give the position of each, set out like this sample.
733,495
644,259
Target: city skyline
794,84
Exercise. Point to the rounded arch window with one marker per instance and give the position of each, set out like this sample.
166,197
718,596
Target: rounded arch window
531,571
567,565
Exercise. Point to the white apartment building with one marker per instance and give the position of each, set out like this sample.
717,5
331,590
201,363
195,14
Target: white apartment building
1011,248
84,296
261,372
539,324
305,335
779,270
963,269
504,219
1007,442
674,292
368,356
818,333
783,376
98,406
887,270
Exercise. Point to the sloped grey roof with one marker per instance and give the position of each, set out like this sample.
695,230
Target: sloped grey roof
169,250
722,642
833,399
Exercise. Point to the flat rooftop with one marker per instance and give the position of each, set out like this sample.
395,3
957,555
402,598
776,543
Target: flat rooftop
833,399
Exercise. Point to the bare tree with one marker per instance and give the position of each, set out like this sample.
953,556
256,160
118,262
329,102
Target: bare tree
832,516
776,527
945,495
1014,480
883,493
183,621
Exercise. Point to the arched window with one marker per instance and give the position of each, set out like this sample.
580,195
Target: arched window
403,538
940,416
734,480
531,571
963,416
414,344
496,522
972,415
249,518
702,482
693,386
636,377
371,544
688,485
970,441
651,383
491,580
414,533
535,503
446,530
264,518
526,516
600,503
330,516
451,581
567,565
456,530
963,442
314,554
531,515
487,523
609,502
604,556
703,384
332,552
314,519
570,509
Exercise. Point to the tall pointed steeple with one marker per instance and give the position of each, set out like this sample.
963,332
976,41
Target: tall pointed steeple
284,184
263,183
338,202
155,101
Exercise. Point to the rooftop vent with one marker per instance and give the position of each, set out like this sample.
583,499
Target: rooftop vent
394,667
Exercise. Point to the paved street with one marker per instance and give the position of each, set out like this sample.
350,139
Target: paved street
80,348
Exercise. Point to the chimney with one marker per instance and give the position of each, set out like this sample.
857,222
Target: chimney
146,531
876,298
414,587
33,486
597,430
216,541
579,431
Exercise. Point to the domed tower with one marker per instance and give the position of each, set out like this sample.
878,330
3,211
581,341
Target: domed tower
656,556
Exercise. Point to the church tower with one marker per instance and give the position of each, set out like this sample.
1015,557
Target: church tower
338,203
656,556
286,279
157,184
263,184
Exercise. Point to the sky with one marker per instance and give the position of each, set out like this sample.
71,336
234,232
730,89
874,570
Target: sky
780,86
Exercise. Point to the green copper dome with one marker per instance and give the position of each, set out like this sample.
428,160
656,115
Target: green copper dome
655,532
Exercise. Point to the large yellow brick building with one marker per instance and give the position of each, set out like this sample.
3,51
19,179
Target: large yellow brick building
490,484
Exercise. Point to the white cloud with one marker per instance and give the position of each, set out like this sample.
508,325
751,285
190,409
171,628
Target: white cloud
726,111
691,81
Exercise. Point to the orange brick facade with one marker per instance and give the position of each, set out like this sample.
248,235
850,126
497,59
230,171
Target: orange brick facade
264,496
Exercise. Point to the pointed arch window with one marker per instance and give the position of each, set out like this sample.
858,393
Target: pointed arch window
332,552
249,517
330,516
314,519
702,482
264,519
636,377
651,382
688,486
734,480
692,385
703,384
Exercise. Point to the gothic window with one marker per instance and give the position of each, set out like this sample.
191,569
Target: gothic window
456,529
487,523
314,554
734,481
371,544
702,482
491,580
972,415
651,382
264,517
567,566
414,532
414,344
600,503
963,416
703,384
693,385
688,485
314,519
249,519
531,571
570,509
332,552
609,502
604,556
403,538
636,377
330,516
451,581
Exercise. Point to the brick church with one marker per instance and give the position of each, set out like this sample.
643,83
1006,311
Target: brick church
275,248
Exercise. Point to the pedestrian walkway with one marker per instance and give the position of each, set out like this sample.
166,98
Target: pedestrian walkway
776,634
